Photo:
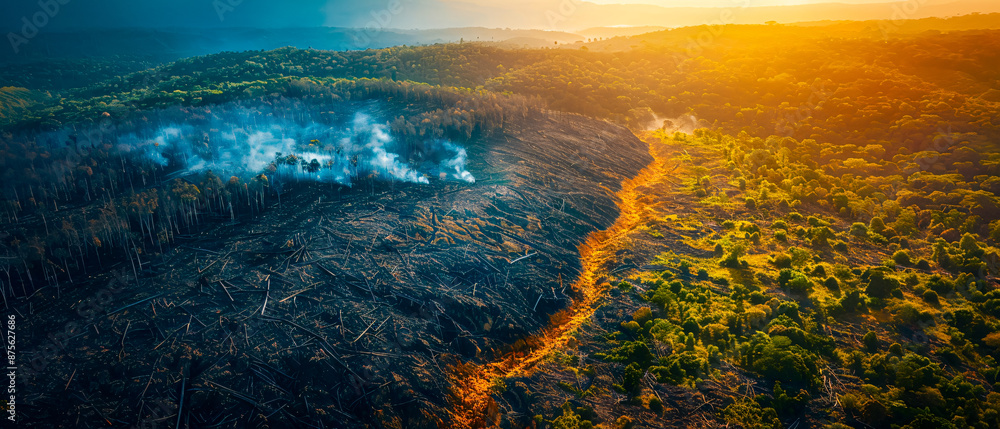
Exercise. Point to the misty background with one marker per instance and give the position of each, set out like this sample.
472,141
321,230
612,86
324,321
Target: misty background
164,31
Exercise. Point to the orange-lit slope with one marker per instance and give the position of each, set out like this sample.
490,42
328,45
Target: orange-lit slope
471,383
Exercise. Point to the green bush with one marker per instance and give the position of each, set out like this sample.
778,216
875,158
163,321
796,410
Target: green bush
941,285
631,326
679,368
816,222
732,258
747,413
859,230
781,260
691,326
819,271
629,352
931,297
569,419
779,359
832,283
632,378
877,225
870,341
642,315
750,227
655,405
794,281
880,284
853,301
902,257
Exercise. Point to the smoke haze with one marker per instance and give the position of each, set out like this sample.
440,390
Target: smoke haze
234,140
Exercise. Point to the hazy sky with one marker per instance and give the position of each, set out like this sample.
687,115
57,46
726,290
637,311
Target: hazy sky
728,3
305,13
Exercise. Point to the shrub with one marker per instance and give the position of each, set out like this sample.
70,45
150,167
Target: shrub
679,367
902,257
732,258
780,236
779,224
747,413
923,264
905,313
877,225
632,378
832,283
816,222
880,285
781,260
778,359
941,285
870,341
643,315
859,230
749,227
794,280
851,403
794,216
751,203
716,334
628,352
729,224
702,274
569,419
631,326
896,349
655,405
691,326
931,297
819,271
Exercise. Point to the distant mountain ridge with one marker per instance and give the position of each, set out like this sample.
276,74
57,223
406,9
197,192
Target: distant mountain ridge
507,24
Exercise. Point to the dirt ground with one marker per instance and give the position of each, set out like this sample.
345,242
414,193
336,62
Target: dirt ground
337,307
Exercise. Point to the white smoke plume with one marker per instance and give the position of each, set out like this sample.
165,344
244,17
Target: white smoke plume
685,124
254,144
